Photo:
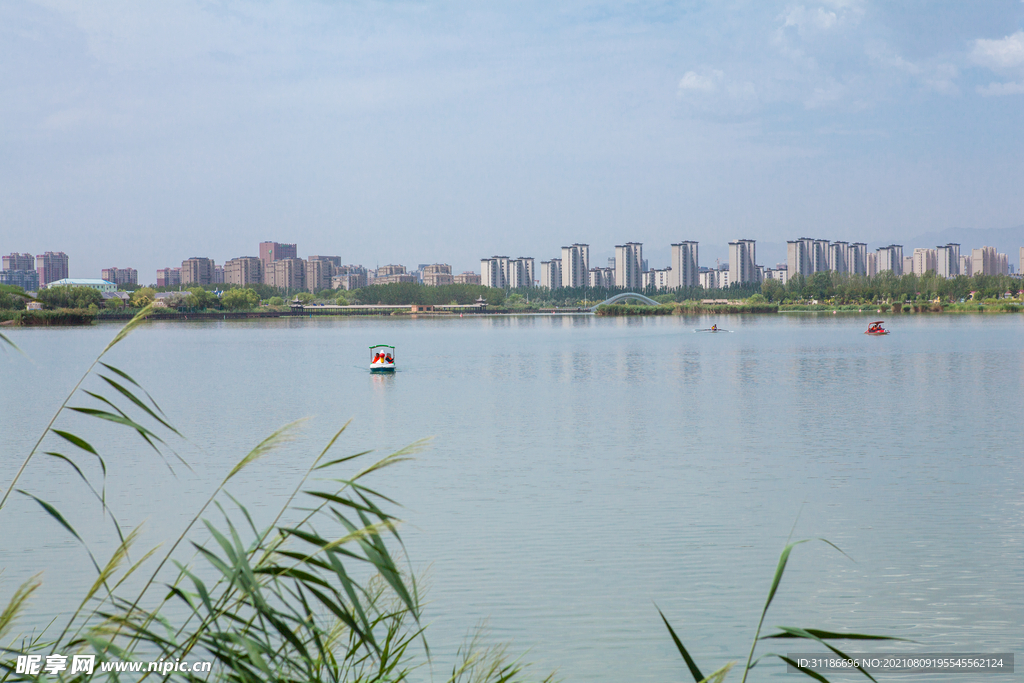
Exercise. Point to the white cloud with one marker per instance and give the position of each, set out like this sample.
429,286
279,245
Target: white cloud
706,82
806,20
1004,53
996,89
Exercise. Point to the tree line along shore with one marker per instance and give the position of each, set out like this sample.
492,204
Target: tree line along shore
825,291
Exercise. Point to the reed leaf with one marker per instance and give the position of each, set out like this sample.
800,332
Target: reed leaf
281,436
139,386
834,635
128,328
17,602
804,670
135,399
694,669
801,633
53,512
719,675
78,441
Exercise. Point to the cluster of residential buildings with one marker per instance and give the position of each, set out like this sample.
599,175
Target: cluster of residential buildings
278,265
807,256
628,269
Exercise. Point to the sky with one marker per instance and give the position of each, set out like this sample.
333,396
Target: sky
141,134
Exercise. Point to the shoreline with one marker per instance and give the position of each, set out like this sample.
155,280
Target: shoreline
73,317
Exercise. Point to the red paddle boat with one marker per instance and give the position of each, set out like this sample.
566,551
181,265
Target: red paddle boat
875,329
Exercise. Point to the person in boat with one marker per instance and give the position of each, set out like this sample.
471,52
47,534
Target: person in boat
389,358
714,328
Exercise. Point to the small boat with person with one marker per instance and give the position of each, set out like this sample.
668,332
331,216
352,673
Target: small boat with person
382,358
713,328
875,329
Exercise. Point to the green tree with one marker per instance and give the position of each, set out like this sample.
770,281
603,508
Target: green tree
773,290
11,302
305,297
68,296
240,299
275,301
819,286
143,297
114,304
201,299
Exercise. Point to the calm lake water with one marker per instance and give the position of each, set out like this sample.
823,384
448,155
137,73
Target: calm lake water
583,469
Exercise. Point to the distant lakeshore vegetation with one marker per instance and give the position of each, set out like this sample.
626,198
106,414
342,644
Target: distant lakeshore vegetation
825,291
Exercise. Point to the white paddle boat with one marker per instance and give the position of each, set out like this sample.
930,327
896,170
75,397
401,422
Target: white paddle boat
382,358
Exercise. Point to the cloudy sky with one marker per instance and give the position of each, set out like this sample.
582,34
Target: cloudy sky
142,133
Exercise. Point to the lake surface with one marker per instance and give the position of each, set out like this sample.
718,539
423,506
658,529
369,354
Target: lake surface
583,469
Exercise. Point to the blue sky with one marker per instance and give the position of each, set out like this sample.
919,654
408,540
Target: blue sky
140,134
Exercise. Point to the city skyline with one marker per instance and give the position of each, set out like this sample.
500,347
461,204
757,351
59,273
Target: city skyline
279,265
391,133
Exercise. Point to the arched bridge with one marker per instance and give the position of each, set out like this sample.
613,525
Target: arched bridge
627,295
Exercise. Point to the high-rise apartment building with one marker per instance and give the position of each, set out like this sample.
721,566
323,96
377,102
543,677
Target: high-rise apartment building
890,258
243,271
51,266
857,258
20,270
466,278
714,279
924,260
966,265
629,265
684,269
437,274
218,274
289,273
197,270
986,261
28,280
494,272
318,274
335,260
120,276
576,265
742,259
602,278
551,273
17,261
273,251
947,260
807,256
983,261
839,256
520,272
872,264
656,279
349,277
168,277
780,274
